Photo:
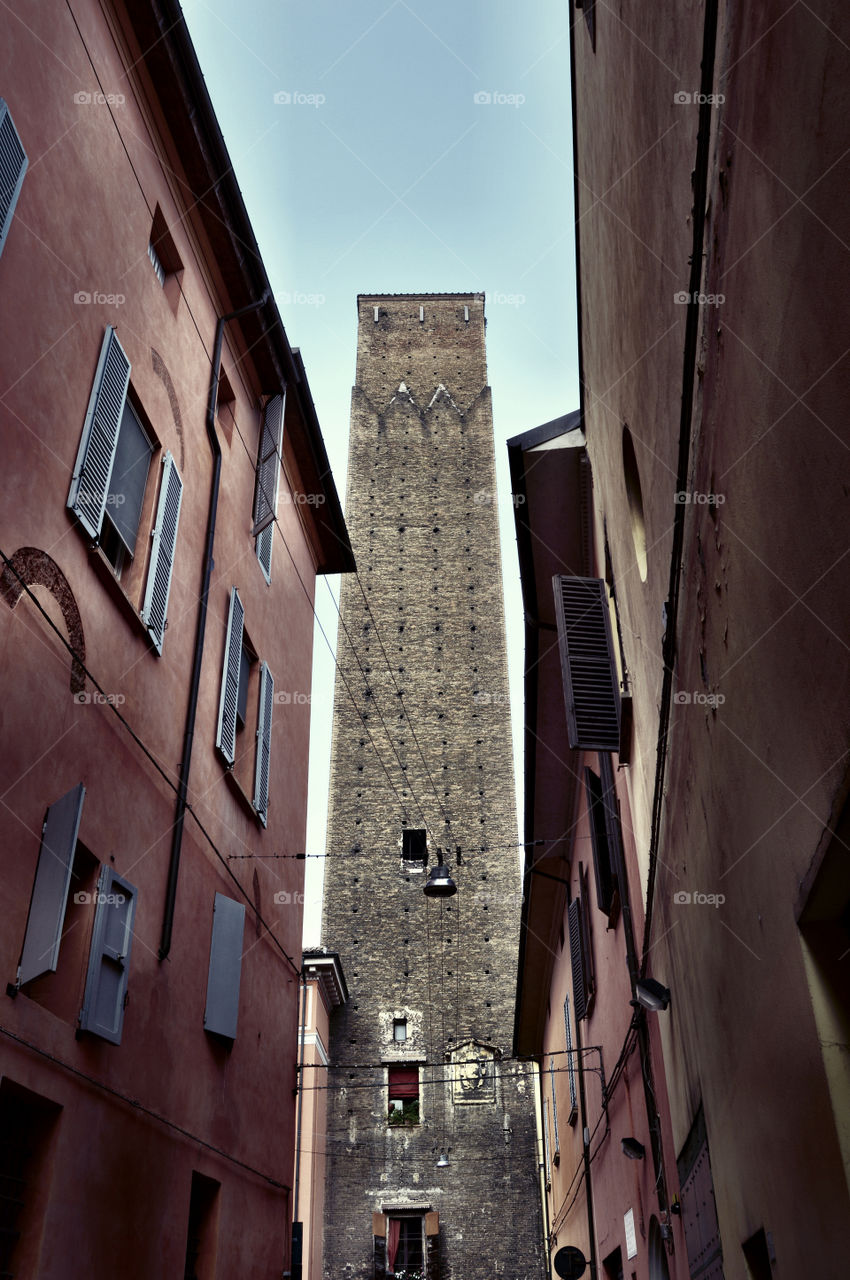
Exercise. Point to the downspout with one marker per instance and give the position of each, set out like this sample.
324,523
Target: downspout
296,1261
585,1143
189,732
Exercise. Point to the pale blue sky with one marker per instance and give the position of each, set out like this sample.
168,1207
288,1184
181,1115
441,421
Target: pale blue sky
422,148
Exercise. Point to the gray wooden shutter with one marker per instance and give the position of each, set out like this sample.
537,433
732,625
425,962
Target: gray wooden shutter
568,1031
591,687
155,607
222,1008
96,454
109,959
597,812
13,166
577,959
264,743
50,887
268,464
554,1105
226,734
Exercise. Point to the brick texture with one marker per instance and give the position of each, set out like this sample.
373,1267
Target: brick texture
426,658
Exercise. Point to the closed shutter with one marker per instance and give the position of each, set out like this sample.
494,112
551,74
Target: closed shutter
229,701
554,1106
591,687
109,959
568,1032
432,1245
50,888
597,812
264,743
379,1246
96,454
264,550
577,959
13,166
155,608
225,971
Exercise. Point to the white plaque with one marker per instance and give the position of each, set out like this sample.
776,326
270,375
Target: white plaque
631,1238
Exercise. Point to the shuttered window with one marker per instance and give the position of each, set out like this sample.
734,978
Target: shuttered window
600,821
554,1106
580,959
571,1068
13,166
268,480
591,686
222,1008
229,699
546,1143
109,959
50,889
96,454
264,743
155,608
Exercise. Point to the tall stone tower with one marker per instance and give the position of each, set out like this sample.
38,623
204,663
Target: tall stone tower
422,772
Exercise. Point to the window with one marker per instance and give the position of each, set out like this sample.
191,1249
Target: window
403,1095
109,485
759,1255
414,846
267,480
591,687
27,1132
571,1066
13,166
604,832
399,1030
165,259
239,674
201,1235
223,979
405,1248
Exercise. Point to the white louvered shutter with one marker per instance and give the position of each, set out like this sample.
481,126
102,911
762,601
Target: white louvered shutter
155,608
264,743
591,686
96,454
221,1013
50,888
13,166
109,959
229,701
268,480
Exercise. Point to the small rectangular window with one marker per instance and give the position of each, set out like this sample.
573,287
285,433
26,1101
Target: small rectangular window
466,314
421,315
399,1030
203,1224
414,845
27,1133
162,250
403,1095
376,315
159,269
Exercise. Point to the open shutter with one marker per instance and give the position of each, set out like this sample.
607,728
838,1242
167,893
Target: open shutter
13,166
264,743
50,888
432,1245
379,1246
591,686
597,811
229,701
222,1008
109,959
577,959
268,465
554,1109
571,1066
96,454
547,1146
155,608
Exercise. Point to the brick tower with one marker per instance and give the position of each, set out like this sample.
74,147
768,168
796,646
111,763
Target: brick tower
421,763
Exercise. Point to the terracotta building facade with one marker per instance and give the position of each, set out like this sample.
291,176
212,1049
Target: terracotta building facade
154,447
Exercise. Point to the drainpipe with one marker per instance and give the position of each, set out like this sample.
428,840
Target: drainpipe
585,1143
189,733
297,1257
